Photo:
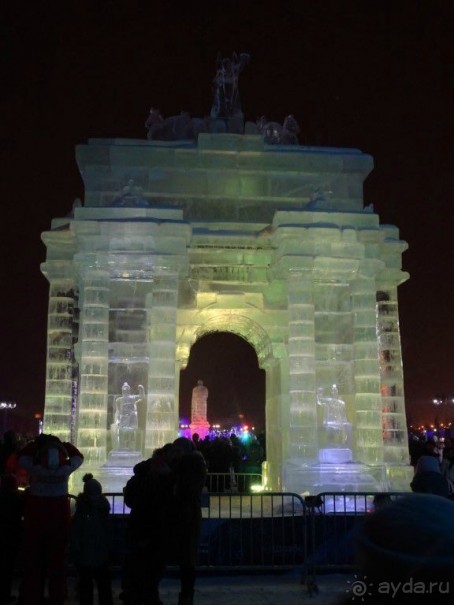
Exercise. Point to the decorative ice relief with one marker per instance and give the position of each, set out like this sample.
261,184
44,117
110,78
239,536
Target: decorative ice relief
320,199
175,128
275,133
131,197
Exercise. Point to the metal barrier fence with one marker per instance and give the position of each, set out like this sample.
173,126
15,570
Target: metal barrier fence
272,530
255,530
232,482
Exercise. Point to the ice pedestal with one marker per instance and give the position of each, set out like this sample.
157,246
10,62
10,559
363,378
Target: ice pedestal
123,459
300,477
201,428
120,462
113,475
126,439
118,469
335,455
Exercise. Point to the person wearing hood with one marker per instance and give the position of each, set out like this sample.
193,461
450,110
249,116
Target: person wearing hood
47,517
428,478
90,544
405,553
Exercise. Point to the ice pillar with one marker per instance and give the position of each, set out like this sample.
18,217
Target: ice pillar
301,355
368,418
62,319
162,422
93,348
395,440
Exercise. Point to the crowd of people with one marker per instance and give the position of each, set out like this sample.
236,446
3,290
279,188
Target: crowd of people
164,495
231,454
404,540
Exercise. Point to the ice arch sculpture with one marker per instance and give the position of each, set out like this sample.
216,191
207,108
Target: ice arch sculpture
270,242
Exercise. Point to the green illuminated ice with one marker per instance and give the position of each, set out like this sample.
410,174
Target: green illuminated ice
178,239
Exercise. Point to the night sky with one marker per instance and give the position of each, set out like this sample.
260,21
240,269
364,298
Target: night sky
373,75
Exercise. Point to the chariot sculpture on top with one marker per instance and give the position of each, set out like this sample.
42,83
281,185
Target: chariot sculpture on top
226,114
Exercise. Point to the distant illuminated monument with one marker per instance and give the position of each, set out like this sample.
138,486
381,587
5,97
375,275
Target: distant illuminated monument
211,225
199,423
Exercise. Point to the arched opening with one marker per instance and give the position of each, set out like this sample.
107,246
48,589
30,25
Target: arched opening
228,366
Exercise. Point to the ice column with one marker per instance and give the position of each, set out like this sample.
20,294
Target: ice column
162,422
93,343
60,331
301,355
395,439
368,420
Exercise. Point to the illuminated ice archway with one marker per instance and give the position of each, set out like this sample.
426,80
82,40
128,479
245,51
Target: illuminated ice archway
242,326
228,321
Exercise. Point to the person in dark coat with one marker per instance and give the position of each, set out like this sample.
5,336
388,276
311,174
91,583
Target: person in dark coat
428,478
189,473
149,496
8,447
11,511
90,543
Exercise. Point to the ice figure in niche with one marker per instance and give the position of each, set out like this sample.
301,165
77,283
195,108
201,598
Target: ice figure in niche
127,417
336,432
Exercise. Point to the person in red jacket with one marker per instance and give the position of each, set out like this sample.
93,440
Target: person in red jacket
49,463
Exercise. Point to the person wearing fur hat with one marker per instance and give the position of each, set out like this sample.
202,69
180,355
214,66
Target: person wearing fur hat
405,553
428,478
49,463
90,544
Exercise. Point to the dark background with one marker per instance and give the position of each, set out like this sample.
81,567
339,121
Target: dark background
371,74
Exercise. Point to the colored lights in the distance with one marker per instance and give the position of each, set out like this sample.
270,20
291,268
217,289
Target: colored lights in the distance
426,427
242,431
436,431
445,400
7,405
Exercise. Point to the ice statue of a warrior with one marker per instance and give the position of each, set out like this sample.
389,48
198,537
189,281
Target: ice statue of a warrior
126,415
335,423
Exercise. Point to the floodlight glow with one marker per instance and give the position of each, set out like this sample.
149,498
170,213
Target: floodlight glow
256,488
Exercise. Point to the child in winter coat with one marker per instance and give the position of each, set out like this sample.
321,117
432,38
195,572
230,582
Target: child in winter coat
91,543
